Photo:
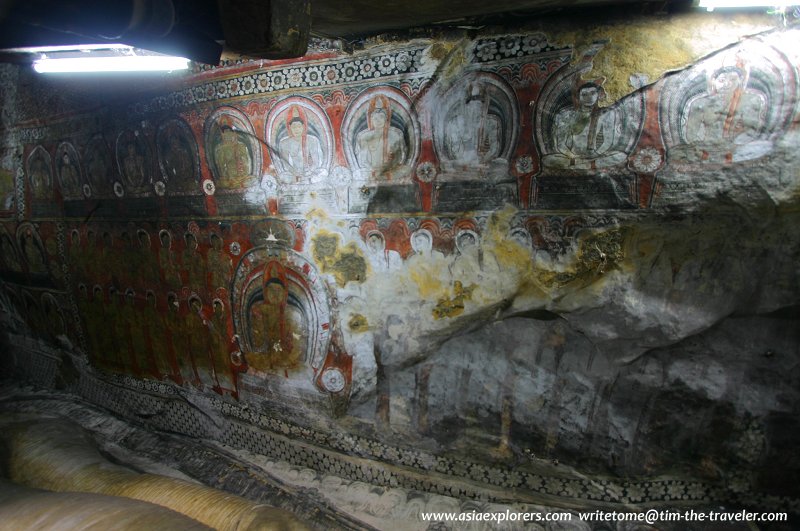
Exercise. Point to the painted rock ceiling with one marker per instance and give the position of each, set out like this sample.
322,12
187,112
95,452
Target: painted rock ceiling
459,260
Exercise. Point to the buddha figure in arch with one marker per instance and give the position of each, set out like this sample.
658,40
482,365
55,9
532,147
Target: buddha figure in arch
133,166
300,152
70,177
274,338
98,166
177,160
39,175
380,149
473,132
724,124
232,157
585,134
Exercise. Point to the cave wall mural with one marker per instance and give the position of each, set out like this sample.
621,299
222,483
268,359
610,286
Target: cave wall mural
319,239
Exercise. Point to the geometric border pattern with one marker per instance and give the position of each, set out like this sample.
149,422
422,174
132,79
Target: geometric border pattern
163,406
495,49
370,69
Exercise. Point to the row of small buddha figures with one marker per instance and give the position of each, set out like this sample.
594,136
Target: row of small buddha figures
41,312
187,340
124,262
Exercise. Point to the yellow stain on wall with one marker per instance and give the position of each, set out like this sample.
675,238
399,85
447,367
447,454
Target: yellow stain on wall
346,263
655,46
426,275
317,213
428,285
513,258
599,252
586,271
358,323
454,306
509,254
451,57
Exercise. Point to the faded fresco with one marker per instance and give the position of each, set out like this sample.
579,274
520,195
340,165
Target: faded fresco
310,233
219,297
585,141
99,171
69,171
732,110
135,164
477,128
233,151
178,158
40,174
301,140
382,136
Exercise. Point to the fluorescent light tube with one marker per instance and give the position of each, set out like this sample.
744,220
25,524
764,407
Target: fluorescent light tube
125,63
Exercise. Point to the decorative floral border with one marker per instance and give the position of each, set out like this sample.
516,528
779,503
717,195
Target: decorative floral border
20,190
294,77
335,453
493,49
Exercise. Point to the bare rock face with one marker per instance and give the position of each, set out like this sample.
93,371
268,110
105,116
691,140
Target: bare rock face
434,259
704,406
